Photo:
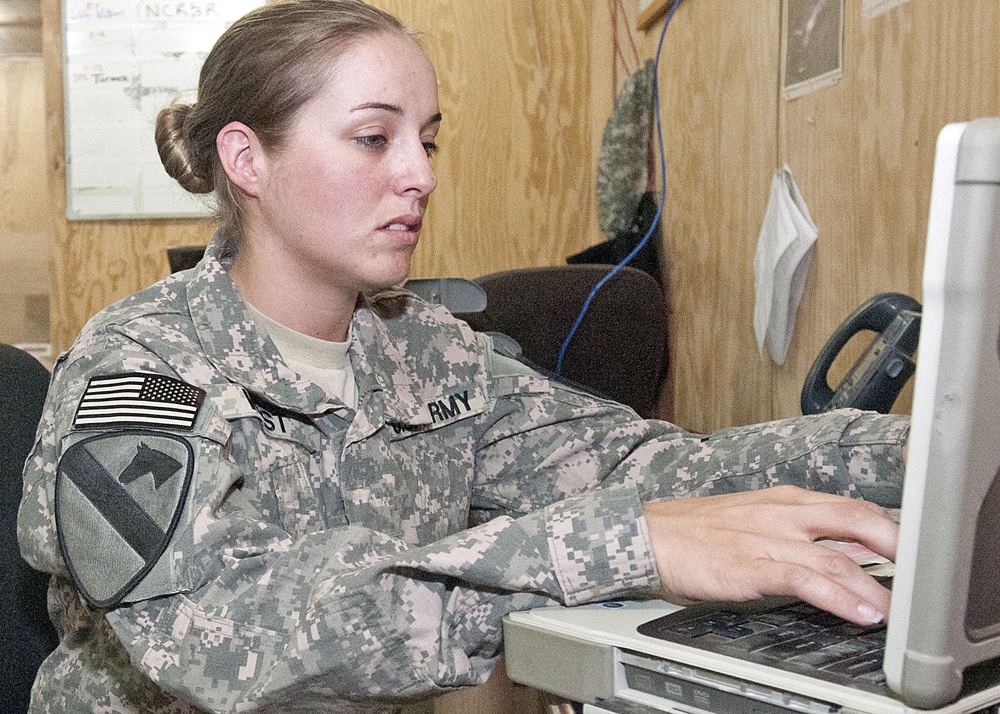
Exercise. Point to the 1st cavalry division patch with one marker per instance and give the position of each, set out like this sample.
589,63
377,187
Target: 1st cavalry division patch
119,498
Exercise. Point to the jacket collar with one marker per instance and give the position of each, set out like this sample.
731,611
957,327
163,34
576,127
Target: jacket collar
235,346
409,358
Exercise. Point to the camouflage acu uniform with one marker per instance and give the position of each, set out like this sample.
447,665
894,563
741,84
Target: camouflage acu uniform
321,559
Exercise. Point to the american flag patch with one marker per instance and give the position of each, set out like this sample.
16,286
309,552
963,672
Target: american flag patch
138,400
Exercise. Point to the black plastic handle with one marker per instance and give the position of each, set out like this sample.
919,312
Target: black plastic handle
876,315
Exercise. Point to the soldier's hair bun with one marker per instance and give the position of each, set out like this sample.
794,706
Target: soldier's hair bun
173,143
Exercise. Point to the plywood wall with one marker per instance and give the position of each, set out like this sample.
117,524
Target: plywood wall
24,268
717,87
861,151
519,85
516,166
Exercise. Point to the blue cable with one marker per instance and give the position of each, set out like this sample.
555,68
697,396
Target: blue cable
659,211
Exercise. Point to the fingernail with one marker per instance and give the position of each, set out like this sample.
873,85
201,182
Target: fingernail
870,614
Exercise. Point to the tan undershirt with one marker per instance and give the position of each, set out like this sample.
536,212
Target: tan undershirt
323,362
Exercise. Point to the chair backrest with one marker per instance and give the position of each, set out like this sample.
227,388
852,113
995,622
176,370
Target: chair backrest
182,257
26,634
620,348
457,294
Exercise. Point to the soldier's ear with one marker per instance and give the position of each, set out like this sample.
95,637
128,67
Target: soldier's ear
242,156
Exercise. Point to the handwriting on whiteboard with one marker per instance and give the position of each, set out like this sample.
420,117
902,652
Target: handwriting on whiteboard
124,61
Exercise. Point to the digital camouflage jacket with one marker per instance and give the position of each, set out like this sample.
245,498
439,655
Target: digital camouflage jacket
225,537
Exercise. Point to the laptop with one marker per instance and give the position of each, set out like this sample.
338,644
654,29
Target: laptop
940,650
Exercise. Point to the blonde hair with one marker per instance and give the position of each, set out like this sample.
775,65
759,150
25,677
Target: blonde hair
262,70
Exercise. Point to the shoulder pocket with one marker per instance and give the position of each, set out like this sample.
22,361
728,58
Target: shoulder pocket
508,374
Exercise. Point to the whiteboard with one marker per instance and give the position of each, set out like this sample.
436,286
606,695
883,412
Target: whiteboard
124,60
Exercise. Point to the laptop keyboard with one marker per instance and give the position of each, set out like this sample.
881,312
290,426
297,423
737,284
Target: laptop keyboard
795,637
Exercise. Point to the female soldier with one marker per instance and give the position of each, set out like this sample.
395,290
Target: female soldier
254,481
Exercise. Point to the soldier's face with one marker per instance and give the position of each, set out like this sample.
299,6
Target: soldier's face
343,199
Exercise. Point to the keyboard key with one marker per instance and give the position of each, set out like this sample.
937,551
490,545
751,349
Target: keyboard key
864,664
771,637
800,646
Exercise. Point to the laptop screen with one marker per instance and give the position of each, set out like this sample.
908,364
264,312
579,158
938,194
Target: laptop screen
945,612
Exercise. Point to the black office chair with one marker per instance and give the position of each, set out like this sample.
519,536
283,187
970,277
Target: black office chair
182,257
26,634
620,348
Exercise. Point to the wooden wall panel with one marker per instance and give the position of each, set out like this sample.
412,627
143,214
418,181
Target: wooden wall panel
516,170
863,154
525,88
861,151
718,96
24,268
516,167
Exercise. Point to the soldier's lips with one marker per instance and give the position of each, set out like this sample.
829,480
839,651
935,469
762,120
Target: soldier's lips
404,229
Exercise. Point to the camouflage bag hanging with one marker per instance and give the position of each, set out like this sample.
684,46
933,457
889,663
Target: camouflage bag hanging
626,204
623,163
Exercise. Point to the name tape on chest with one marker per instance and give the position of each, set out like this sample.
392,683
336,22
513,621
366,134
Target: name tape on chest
453,406
439,411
